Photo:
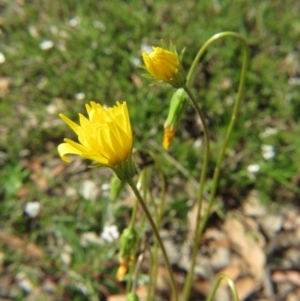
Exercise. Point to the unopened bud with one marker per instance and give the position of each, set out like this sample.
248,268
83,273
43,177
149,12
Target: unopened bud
178,105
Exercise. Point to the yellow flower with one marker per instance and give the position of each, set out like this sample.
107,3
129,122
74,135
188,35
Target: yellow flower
104,137
165,65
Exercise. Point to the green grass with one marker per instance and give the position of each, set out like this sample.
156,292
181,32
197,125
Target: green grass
96,57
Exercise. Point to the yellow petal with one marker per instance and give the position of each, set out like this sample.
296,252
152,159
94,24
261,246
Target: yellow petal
65,149
86,153
110,146
69,122
169,135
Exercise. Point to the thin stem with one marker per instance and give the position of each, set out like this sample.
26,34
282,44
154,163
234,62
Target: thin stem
136,272
190,275
216,286
231,124
158,223
129,286
131,225
202,222
157,236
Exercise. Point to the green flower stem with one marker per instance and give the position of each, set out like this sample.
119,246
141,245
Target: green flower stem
157,236
131,268
190,275
213,39
129,285
159,216
201,222
216,285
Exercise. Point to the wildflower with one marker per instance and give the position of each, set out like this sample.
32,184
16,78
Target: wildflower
46,45
253,169
268,152
74,22
24,283
104,137
79,96
165,65
110,233
89,190
32,209
178,104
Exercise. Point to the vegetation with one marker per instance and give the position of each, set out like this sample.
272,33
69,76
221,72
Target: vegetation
59,55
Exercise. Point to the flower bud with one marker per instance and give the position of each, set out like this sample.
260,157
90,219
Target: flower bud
128,243
165,65
178,105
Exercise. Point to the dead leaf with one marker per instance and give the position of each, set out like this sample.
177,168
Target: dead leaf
252,205
15,243
294,277
246,246
232,271
136,80
245,286
4,86
57,169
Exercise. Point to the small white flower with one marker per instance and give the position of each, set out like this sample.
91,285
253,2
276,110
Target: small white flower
268,132
32,209
80,96
51,109
24,282
268,151
105,186
253,168
74,22
2,58
110,233
66,258
46,45
89,190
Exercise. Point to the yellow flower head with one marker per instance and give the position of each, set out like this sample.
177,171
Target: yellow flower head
165,65
104,137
